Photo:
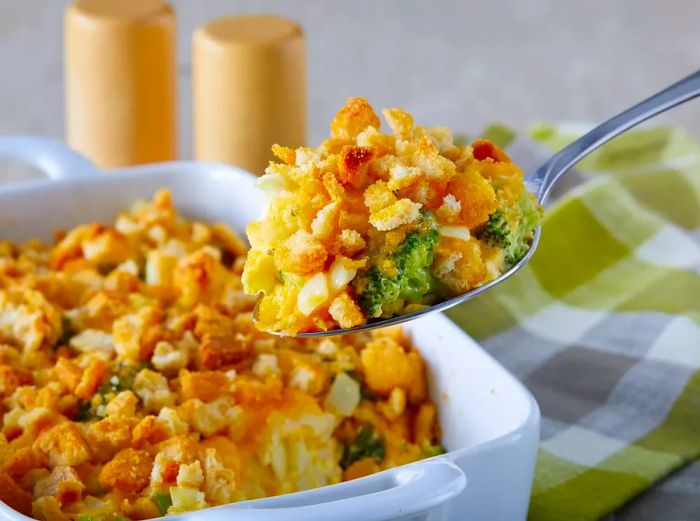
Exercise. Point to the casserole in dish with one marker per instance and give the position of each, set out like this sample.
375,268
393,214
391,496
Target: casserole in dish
489,421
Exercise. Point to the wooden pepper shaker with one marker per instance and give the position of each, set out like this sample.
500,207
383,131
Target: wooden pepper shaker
249,88
120,81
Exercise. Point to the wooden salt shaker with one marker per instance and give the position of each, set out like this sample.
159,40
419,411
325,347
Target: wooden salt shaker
120,81
249,89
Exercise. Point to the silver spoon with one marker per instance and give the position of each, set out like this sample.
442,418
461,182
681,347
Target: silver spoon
542,181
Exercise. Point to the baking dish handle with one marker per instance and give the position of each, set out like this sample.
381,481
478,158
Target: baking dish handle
397,493
51,156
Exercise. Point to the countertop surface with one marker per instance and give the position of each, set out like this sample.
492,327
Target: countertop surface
459,64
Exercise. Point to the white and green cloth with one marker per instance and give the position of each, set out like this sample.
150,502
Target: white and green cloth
603,326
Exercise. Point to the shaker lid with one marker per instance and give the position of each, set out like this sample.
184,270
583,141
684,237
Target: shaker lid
255,29
122,10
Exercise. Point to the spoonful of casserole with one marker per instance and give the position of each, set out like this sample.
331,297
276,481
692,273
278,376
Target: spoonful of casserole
372,229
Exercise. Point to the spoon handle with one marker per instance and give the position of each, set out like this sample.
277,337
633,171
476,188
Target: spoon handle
547,175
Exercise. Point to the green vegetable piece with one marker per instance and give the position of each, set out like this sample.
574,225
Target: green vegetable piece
120,518
529,217
512,229
365,392
382,295
496,231
82,517
163,502
85,412
367,444
433,450
67,332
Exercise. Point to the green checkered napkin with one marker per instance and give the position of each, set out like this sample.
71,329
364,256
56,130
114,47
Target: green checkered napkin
603,326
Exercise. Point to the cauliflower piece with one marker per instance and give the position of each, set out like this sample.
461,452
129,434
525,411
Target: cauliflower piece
403,211
190,475
186,499
29,319
309,377
210,418
63,483
169,359
174,424
153,389
46,508
220,485
90,340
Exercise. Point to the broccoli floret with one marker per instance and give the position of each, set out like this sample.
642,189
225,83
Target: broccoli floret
367,444
433,450
85,412
496,231
529,217
380,294
512,229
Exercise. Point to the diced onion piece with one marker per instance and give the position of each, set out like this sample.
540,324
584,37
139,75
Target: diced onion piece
272,184
456,232
91,340
185,499
344,395
340,276
312,294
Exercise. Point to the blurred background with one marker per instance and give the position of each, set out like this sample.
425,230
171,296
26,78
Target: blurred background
460,64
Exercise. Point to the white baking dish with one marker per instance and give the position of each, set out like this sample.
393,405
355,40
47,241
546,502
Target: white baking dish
490,422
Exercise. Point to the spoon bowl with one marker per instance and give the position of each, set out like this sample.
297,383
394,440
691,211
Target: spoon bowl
543,180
